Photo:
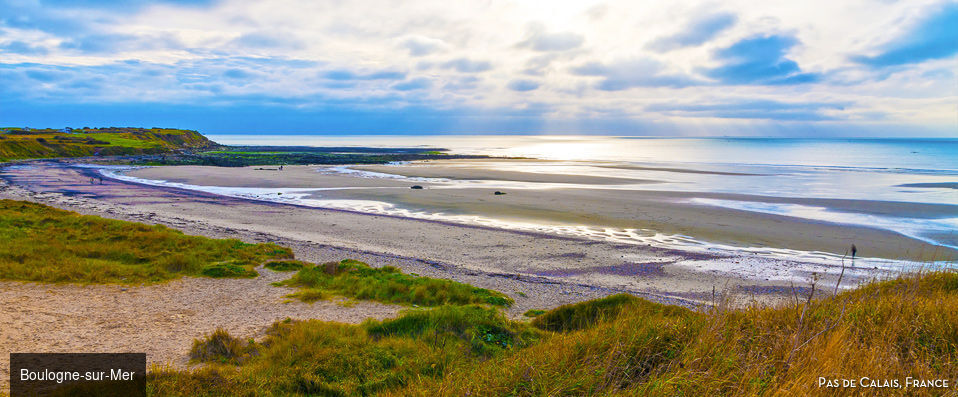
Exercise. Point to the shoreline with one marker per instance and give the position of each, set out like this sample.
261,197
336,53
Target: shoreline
480,253
651,217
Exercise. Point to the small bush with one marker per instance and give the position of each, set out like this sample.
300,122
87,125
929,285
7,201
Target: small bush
285,265
220,347
534,313
583,315
220,270
354,279
486,329
310,295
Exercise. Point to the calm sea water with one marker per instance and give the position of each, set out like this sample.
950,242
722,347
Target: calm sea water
859,169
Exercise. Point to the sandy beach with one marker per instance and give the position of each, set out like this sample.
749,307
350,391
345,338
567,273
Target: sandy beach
540,270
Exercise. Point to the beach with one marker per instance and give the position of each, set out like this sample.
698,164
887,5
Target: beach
546,240
536,243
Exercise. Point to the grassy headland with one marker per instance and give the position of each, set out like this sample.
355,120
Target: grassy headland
615,346
18,143
42,243
164,146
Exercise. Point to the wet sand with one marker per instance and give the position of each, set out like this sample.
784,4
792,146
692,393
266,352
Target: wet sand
567,203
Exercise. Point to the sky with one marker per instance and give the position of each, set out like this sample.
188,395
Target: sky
715,68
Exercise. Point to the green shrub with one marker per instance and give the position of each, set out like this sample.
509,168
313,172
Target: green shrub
584,314
285,265
486,329
220,347
354,279
534,313
220,270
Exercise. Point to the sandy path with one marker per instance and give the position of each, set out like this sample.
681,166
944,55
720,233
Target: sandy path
161,320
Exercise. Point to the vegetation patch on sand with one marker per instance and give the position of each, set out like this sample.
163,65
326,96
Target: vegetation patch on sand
319,358
46,244
887,330
354,279
285,265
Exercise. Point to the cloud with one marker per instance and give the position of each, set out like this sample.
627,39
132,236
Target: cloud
466,65
523,85
346,75
540,40
627,74
22,48
122,4
698,31
418,83
933,37
268,40
753,109
606,63
112,43
420,46
760,60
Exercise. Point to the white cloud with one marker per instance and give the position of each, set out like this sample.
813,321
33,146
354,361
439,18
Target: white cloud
577,56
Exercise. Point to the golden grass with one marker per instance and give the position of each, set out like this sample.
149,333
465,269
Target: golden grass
45,244
888,330
320,358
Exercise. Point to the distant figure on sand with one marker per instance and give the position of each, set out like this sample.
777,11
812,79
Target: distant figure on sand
854,251
280,168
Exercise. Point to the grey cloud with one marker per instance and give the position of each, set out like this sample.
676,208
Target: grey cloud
466,65
420,46
633,73
697,32
523,85
413,84
540,40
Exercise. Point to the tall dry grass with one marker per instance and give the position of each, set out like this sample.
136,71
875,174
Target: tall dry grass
889,330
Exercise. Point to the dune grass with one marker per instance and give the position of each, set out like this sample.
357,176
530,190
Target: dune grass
45,244
888,330
318,358
354,279
285,265
582,315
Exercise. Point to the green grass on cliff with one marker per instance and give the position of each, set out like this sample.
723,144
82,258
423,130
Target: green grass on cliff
17,143
42,243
